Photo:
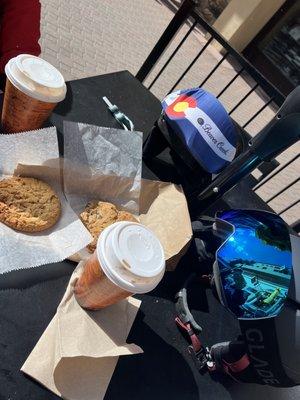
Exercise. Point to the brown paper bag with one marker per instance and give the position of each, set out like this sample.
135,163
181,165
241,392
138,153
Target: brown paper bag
163,209
78,352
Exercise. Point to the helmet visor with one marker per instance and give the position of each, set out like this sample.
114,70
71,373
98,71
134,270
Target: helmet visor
254,263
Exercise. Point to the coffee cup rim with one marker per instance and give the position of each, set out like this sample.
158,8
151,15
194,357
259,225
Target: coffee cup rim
31,92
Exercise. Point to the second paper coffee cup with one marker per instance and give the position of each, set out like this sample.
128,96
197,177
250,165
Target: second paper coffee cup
128,259
33,88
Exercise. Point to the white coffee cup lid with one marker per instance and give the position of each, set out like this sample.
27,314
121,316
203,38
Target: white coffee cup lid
40,71
131,256
36,77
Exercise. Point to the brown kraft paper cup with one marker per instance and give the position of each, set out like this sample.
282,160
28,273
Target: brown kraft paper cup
93,290
21,112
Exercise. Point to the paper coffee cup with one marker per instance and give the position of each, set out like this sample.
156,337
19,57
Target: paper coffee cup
33,88
128,259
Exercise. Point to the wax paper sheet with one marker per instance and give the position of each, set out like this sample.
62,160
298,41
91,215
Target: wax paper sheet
25,250
102,163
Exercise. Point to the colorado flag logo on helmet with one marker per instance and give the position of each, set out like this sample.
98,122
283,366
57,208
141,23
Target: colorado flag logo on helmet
203,125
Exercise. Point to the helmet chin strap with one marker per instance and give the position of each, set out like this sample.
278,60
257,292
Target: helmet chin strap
186,322
205,359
